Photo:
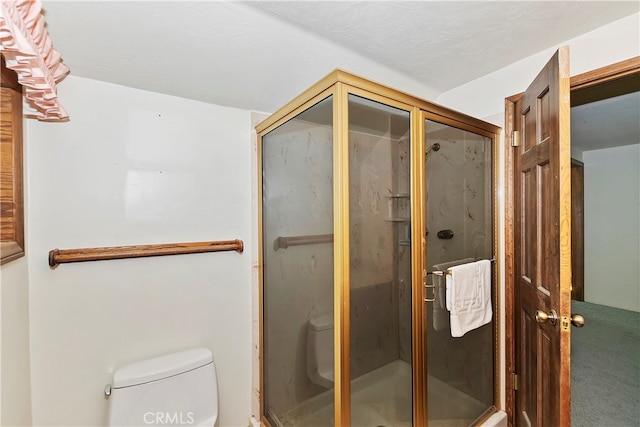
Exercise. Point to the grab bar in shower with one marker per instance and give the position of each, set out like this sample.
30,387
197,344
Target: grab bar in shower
283,242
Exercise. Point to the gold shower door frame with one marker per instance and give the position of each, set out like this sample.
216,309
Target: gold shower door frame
340,85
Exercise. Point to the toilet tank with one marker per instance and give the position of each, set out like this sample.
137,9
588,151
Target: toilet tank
173,390
320,339
320,350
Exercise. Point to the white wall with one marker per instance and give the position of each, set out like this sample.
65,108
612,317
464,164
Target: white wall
15,385
612,227
135,167
576,153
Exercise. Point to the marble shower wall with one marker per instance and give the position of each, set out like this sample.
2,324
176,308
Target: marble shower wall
299,279
378,170
370,185
459,198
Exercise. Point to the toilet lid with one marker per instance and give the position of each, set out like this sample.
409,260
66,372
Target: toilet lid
322,322
161,367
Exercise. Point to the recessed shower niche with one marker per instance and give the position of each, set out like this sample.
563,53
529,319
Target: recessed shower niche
368,197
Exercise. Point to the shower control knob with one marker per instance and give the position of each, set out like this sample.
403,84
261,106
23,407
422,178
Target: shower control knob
445,234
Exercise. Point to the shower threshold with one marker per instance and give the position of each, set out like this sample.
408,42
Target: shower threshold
382,398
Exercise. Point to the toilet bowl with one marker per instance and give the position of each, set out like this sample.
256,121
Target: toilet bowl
320,350
173,390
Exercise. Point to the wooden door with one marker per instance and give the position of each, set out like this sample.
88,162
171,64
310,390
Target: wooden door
542,245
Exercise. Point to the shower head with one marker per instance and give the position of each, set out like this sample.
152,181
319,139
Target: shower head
434,147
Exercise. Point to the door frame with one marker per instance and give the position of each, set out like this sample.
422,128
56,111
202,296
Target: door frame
591,78
577,230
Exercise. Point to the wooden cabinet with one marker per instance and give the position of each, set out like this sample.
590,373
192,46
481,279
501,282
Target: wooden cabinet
11,178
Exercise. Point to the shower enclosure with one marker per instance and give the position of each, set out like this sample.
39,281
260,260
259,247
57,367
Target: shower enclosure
364,192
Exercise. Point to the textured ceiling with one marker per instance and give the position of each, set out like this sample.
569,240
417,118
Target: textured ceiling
448,43
259,55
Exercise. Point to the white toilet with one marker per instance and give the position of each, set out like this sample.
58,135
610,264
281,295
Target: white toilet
173,390
320,350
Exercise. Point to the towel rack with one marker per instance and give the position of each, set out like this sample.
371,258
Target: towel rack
59,256
439,273
448,272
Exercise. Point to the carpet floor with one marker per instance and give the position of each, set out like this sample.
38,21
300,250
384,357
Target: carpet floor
605,367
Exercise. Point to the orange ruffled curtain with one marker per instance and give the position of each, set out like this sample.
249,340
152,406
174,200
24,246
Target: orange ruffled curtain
27,49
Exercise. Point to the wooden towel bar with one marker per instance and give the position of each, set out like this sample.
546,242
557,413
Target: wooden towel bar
60,256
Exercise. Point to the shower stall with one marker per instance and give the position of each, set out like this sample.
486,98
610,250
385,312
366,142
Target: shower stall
365,193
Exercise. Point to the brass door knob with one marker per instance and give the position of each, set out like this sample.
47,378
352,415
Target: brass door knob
577,320
543,317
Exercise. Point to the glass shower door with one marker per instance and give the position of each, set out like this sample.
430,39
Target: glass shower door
459,222
297,227
379,264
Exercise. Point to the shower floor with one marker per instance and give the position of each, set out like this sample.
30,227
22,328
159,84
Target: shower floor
383,398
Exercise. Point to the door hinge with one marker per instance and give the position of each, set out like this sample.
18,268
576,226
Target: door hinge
515,138
514,381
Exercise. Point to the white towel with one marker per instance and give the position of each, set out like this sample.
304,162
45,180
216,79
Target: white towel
439,314
469,296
